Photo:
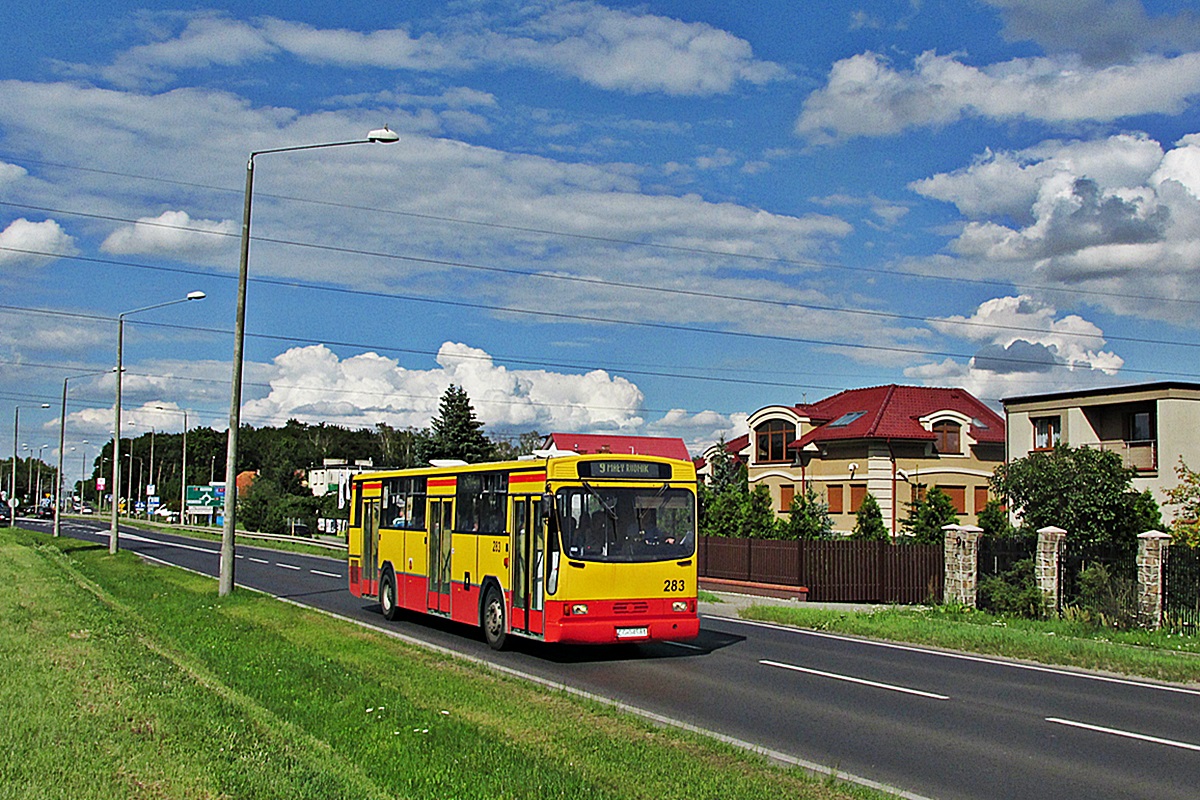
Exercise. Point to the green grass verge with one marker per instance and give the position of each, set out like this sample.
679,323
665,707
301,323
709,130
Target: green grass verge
1150,654
214,535
125,679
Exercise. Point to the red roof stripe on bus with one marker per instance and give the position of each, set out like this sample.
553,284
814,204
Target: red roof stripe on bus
443,481
527,477
372,485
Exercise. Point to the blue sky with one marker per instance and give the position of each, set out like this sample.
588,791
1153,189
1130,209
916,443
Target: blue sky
652,218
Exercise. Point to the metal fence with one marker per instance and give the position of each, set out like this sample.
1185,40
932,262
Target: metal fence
1121,565
1181,592
998,555
837,571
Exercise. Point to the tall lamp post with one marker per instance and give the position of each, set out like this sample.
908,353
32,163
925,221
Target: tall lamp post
62,429
182,464
225,583
116,472
12,489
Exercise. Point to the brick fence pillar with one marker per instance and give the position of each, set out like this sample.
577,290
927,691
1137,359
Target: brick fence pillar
1151,558
1046,565
962,564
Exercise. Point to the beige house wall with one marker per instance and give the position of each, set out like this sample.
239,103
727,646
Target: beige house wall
1177,429
883,478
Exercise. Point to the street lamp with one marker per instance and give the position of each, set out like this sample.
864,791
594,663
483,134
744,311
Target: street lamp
225,583
38,497
182,464
62,429
116,473
12,493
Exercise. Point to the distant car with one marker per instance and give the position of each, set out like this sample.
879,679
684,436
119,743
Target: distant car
45,512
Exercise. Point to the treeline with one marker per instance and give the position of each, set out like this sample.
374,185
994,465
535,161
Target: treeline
282,457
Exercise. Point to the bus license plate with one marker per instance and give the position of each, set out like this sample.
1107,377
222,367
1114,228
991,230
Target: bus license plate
632,633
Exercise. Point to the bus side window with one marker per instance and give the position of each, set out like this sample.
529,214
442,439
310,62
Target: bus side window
551,543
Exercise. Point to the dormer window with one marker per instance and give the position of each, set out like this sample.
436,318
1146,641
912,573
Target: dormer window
948,437
771,440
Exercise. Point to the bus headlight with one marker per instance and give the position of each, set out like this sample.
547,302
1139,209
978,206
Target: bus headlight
679,605
579,608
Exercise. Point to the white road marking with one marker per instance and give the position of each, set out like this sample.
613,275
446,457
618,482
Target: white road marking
288,566
134,537
685,644
1126,734
259,560
326,574
851,679
999,662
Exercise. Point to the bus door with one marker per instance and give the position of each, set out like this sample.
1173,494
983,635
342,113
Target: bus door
529,539
370,547
441,523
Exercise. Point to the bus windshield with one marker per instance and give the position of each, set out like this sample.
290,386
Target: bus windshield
653,523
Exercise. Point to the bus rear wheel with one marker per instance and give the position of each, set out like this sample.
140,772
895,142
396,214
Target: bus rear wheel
387,596
494,622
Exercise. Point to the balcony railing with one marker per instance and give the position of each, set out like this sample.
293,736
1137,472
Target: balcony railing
1139,454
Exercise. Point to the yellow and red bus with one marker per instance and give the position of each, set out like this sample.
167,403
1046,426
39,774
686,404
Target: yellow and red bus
581,549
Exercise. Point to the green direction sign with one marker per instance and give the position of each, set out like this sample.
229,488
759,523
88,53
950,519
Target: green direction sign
206,496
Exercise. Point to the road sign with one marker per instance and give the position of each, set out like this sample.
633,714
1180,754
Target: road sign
205,497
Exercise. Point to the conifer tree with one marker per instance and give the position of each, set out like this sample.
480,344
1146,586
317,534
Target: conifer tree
455,432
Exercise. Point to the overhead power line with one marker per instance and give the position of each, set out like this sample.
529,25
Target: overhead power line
297,284
615,240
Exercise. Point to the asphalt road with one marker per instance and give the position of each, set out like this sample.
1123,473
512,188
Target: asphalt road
934,724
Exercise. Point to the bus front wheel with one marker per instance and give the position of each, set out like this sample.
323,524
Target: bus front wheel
493,619
387,596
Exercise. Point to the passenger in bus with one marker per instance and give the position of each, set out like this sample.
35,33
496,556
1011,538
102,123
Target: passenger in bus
592,534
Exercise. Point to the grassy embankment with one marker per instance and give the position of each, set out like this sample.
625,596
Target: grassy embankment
214,535
123,679
1150,654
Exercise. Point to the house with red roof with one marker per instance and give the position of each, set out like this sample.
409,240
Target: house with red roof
893,442
584,443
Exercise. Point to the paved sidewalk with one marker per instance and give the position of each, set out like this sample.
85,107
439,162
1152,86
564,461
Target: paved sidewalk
731,604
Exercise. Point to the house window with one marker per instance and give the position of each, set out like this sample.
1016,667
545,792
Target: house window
958,497
772,438
858,493
948,437
787,493
1139,427
834,495
1046,432
981,498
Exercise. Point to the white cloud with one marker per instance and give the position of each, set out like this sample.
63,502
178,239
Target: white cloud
1116,217
866,96
314,384
638,53
11,173
389,49
172,233
1024,345
1006,183
699,430
612,49
1102,31
40,237
206,40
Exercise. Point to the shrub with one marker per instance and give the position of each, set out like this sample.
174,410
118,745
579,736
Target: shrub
868,522
1104,600
1014,592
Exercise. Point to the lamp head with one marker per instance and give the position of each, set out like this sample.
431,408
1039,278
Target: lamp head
383,135
196,295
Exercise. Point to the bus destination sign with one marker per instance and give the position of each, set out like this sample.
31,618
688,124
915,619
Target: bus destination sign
625,470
